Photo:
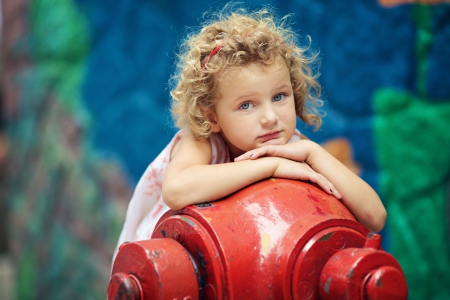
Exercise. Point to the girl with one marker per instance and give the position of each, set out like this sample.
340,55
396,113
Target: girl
241,84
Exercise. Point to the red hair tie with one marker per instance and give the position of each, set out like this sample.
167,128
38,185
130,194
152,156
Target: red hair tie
215,50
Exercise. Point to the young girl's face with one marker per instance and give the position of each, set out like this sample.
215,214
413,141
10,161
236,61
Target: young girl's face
255,107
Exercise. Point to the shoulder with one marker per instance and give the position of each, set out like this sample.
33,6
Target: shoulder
187,148
219,149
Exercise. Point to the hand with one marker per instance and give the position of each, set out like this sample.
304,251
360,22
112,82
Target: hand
302,171
298,151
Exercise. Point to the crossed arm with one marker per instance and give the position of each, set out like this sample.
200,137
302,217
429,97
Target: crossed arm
356,194
190,179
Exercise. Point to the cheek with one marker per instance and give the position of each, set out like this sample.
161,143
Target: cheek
235,128
294,117
290,116
291,122
293,112
243,131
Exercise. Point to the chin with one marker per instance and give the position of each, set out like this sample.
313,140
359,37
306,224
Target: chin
273,142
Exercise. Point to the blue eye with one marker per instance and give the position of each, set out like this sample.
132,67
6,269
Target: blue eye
278,97
245,106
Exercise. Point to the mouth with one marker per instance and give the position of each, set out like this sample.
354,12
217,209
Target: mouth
270,136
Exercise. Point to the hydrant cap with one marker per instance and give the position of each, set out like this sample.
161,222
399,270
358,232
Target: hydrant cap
385,282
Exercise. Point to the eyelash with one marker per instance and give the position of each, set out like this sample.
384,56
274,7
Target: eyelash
240,107
283,95
273,98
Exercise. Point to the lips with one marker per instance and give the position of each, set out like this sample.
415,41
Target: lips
270,136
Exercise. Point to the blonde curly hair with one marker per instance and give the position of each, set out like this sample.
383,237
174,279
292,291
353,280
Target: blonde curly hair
238,39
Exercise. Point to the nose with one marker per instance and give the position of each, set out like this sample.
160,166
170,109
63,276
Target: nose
269,116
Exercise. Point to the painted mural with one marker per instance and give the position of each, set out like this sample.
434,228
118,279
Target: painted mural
84,110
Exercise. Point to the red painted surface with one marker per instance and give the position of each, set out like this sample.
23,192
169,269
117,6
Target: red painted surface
276,239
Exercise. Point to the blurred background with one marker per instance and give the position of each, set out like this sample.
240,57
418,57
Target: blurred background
84,108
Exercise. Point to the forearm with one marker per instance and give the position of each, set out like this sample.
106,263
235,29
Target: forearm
357,195
203,183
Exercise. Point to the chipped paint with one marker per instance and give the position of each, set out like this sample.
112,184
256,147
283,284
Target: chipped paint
336,257
266,241
270,223
201,257
325,238
319,211
327,285
187,220
335,208
313,198
204,205
350,274
379,282
155,253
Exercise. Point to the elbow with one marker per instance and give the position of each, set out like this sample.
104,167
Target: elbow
173,204
378,221
172,197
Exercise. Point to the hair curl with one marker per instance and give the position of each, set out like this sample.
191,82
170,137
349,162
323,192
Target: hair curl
244,38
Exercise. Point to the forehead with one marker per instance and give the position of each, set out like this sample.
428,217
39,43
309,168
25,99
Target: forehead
235,75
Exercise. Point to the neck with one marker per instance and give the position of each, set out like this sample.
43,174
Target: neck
233,150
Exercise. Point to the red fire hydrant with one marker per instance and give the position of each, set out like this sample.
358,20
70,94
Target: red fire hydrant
276,239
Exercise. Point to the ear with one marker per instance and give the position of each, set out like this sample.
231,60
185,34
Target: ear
212,118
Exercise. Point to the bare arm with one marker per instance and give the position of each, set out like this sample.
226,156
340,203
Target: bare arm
357,195
190,178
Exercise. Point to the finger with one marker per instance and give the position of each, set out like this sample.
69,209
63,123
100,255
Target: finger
327,186
336,194
245,156
239,158
270,150
256,153
253,154
333,191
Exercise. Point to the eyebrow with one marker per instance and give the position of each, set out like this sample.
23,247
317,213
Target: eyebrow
247,95
283,86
